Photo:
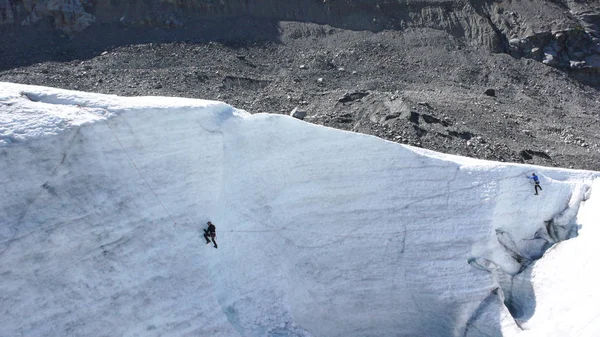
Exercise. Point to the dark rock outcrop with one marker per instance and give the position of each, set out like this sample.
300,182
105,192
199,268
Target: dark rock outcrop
533,29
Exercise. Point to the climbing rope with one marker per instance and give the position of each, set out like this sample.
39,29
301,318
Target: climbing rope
140,172
362,236
365,236
230,231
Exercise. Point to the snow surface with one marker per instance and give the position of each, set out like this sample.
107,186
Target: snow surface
321,232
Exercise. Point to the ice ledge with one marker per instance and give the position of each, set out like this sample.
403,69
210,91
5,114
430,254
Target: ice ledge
28,112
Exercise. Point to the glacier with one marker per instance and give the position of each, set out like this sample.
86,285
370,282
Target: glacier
321,232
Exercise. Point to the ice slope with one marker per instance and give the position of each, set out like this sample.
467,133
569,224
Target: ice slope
321,232
564,282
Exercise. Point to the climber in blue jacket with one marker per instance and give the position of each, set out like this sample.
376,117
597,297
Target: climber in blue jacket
536,180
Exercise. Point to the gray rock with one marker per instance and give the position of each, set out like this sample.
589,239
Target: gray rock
69,16
298,113
353,96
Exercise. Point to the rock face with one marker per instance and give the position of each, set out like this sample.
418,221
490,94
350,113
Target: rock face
574,49
561,33
70,16
480,20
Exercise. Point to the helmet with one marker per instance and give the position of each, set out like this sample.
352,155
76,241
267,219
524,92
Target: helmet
209,223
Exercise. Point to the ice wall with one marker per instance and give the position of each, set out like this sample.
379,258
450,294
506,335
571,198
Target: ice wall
321,232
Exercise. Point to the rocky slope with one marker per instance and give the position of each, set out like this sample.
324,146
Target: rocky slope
409,71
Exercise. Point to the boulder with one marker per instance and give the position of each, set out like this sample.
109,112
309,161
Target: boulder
352,96
298,113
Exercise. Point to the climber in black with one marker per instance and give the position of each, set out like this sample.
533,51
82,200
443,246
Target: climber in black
536,180
210,232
